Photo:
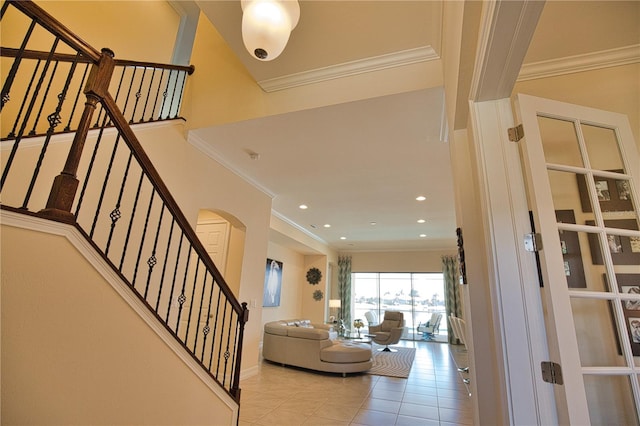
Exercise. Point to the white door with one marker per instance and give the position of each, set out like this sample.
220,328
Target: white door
583,181
214,235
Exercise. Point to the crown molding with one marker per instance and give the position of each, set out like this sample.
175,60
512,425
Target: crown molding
299,228
346,69
205,148
581,63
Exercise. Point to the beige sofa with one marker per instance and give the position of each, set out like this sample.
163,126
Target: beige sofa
300,343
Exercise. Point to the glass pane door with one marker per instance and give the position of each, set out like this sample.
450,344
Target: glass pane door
582,168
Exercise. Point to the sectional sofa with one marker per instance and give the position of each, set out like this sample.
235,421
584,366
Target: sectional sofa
300,343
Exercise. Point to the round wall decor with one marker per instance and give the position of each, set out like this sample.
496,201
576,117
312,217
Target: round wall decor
317,295
314,276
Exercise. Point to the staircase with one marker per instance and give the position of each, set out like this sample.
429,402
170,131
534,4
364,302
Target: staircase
71,159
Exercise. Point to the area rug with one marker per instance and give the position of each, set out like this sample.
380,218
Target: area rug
393,364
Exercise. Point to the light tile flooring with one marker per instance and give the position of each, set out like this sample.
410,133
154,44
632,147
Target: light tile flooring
434,394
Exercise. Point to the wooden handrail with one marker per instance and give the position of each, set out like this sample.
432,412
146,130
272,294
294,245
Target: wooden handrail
67,57
138,152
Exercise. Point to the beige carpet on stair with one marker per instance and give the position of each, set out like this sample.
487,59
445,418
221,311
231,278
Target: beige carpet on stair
393,364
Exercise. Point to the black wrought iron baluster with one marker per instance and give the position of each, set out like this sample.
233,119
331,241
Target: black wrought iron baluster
94,155
155,103
164,265
44,99
175,277
32,103
146,101
144,236
234,356
184,81
138,95
134,210
193,299
6,87
204,286
12,133
215,328
104,186
75,103
153,260
126,101
227,354
173,94
224,320
116,214
206,328
54,120
164,96
182,298
3,9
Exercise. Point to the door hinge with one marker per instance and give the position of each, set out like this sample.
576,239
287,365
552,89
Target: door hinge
551,372
533,242
516,133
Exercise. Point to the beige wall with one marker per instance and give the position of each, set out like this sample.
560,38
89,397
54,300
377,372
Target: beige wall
222,91
199,183
152,24
73,352
613,89
291,290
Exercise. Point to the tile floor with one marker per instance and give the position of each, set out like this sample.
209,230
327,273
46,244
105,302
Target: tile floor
434,394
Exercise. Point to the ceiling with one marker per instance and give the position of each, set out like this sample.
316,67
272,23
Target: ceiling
360,165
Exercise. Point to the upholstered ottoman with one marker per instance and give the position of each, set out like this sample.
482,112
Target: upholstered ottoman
346,352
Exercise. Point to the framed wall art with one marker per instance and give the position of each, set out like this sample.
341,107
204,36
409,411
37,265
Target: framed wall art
614,195
624,250
630,284
272,283
571,253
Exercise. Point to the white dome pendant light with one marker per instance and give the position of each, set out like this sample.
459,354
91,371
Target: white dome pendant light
266,26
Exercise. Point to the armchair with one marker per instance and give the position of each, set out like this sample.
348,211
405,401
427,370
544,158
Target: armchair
431,327
389,331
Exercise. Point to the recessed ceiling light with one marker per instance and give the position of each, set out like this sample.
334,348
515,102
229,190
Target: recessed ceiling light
343,238
303,206
326,225
421,221
421,198
423,235
373,223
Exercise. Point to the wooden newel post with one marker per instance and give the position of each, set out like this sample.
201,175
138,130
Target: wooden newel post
65,185
235,386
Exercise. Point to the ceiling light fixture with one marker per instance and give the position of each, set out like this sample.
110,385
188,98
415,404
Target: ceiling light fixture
326,225
421,198
421,221
266,26
303,206
423,235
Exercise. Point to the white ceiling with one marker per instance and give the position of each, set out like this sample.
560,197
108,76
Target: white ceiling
366,161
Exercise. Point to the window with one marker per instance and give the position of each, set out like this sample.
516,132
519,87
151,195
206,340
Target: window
416,295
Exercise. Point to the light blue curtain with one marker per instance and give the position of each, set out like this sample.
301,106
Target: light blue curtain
344,288
452,300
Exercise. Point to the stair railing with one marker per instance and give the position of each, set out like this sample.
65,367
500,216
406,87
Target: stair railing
108,188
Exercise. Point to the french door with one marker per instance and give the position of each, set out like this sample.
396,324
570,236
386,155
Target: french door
583,182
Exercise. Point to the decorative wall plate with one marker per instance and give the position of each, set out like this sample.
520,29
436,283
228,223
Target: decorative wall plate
318,295
314,276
